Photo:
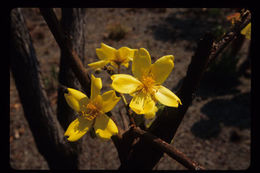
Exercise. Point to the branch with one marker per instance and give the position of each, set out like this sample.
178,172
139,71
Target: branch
165,126
66,47
231,35
44,125
167,148
73,23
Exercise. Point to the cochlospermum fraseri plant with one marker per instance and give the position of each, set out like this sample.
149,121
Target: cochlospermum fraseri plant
145,86
91,111
115,57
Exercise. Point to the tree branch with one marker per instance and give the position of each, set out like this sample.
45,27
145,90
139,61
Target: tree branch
65,45
165,126
46,130
167,148
73,23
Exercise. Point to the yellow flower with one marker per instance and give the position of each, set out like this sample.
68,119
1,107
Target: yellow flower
91,111
145,86
247,31
108,54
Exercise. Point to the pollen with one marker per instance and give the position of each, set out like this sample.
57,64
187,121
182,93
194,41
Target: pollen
148,83
91,112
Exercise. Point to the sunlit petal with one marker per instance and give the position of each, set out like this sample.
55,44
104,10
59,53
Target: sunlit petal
125,83
77,129
109,100
142,104
96,85
247,31
167,97
75,99
126,64
141,63
151,114
127,53
105,127
161,69
98,64
150,109
105,52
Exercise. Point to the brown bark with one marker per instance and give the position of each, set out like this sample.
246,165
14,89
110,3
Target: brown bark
46,130
65,45
73,23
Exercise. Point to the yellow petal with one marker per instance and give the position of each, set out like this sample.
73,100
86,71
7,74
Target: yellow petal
96,85
109,100
161,69
247,31
77,129
126,53
152,113
167,97
141,63
126,64
105,127
105,52
125,83
75,99
142,104
98,64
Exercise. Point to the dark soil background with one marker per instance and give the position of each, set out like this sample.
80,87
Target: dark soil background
215,131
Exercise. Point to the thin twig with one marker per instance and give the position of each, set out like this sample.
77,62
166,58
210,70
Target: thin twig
124,121
168,149
229,36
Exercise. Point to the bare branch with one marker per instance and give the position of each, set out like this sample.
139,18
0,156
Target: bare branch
231,35
167,148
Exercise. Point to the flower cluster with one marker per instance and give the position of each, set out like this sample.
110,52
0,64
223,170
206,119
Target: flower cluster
145,87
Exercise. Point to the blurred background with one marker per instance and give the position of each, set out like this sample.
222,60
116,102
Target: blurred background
215,131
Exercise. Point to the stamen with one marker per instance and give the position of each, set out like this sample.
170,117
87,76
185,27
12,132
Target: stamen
91,111
148,83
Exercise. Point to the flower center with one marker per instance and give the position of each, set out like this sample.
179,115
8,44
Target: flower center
148,83
91,111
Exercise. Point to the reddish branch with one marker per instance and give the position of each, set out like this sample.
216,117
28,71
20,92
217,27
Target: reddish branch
167,148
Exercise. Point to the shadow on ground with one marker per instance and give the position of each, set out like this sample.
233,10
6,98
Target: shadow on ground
231,112
188,25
